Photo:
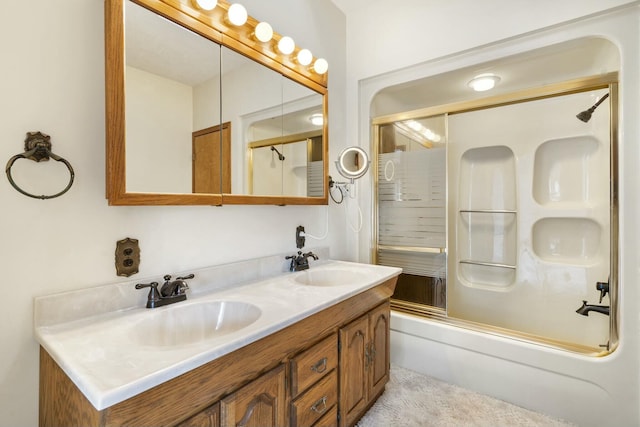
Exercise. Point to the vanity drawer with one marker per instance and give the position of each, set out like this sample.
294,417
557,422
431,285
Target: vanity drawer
312,364
330,419
315,402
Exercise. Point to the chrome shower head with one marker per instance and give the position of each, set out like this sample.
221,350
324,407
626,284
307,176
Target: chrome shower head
585,116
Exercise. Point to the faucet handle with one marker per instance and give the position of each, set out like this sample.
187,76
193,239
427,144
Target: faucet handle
188,276
603,287
310,254
154,295
152,285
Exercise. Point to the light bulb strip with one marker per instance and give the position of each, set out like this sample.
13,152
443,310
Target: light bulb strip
217,18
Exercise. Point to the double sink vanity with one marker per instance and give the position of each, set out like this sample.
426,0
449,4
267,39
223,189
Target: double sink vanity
252,345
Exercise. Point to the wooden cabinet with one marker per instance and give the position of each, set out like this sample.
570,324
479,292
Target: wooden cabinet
261,403
364,363
295,376
210,417
314,384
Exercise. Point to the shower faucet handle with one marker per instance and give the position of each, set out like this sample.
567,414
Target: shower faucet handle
603,287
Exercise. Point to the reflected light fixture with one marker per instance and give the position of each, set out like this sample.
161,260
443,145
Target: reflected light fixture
286,45
483,82
305,57
237,14
321,66
206,4
263,32
316,119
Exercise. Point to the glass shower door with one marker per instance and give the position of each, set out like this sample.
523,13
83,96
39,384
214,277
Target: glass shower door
411,208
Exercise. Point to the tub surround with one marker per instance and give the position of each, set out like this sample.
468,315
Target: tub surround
91,333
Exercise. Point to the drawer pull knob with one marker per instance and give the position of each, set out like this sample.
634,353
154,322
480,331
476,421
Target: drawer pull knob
320,406
320,366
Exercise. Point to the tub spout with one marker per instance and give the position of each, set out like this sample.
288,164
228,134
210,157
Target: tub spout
586,308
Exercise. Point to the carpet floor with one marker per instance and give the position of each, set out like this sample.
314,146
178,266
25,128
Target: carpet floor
412,399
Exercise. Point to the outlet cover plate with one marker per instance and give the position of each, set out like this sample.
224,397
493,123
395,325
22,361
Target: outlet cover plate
127,257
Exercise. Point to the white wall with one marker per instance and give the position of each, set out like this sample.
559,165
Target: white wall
52,80
385,47
159,113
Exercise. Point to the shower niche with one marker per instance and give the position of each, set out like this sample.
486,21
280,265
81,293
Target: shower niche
569,170
487,218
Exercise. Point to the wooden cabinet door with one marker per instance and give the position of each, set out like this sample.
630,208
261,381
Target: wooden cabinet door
378,351
211,160
261,403
210,417
353,372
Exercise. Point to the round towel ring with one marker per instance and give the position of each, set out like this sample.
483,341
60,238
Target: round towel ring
38,148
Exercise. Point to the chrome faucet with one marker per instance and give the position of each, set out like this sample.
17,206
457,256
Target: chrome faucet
301,261
171,291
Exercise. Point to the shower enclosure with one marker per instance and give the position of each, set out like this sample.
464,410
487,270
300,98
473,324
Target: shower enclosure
502,212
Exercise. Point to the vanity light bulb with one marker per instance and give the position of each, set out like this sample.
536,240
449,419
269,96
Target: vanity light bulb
207,4
305,57
264,32
321,66
237,14
286,45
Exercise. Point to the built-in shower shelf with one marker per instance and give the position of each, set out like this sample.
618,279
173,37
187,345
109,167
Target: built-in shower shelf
487,264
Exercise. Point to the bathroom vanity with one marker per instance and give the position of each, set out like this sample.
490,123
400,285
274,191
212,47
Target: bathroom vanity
317,355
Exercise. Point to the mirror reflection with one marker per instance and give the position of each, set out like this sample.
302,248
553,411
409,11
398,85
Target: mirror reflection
274,136
172,110
202,118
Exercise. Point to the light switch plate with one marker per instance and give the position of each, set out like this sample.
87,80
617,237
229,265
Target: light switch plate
127,257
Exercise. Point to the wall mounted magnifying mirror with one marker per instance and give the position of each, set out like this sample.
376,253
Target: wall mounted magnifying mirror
190,96
353,163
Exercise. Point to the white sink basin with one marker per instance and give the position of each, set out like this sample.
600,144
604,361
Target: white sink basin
328,277
191,323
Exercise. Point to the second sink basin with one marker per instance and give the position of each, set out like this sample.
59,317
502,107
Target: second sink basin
192,323
328,277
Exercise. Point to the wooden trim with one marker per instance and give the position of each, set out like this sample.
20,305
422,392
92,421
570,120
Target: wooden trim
171,402
165,199
244,199
114,98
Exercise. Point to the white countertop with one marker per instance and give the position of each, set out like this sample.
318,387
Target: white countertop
108,358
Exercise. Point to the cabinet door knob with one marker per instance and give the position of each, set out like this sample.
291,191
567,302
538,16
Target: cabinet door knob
320,366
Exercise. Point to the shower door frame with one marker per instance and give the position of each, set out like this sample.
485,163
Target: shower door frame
606,81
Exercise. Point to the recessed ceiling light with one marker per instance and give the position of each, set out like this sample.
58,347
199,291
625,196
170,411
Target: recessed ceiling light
483,82
317,119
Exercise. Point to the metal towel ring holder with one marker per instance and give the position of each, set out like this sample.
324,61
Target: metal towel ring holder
37,147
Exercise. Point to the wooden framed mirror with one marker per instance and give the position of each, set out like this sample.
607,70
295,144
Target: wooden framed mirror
186,95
